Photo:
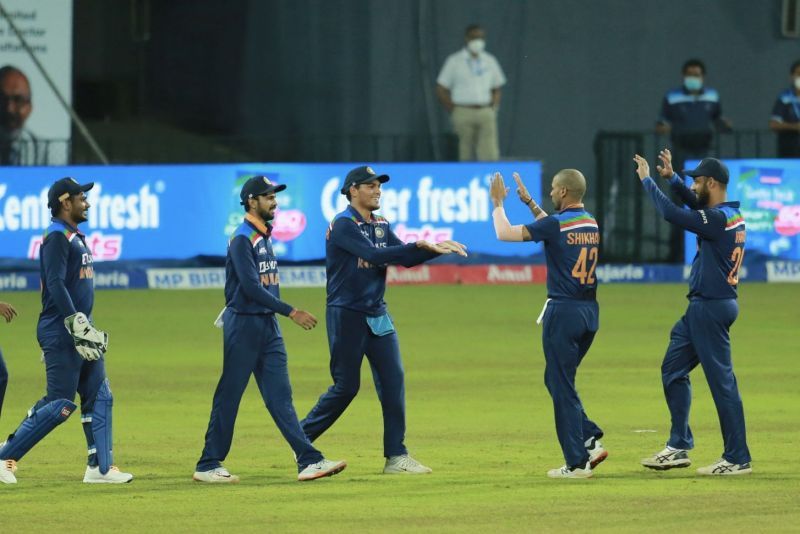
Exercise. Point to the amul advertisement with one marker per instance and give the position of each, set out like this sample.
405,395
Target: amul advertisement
182,211
769,193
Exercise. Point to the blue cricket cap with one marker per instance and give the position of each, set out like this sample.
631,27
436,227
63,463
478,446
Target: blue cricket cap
63,189
711,167
257,186
361,175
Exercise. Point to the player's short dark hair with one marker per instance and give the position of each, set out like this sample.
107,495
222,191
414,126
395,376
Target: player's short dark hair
471,28
694,62
795,65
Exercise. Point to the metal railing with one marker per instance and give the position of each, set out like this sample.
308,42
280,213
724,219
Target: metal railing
631,229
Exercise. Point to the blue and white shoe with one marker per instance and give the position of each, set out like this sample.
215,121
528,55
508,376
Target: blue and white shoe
668,458
566,472
724,467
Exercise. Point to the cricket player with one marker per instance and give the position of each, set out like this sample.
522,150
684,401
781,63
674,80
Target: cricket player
7,312
570,317
702,334
253,343
74,349
360,246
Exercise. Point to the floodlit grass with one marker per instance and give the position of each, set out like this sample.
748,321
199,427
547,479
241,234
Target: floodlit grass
478,414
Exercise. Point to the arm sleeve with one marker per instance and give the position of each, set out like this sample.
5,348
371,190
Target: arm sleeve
777,110
664,116
346,235
680,189
705,223
246,270
55,251
544,229
415,256
445,78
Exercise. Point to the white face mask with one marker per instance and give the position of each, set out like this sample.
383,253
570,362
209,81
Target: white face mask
476,46
797,83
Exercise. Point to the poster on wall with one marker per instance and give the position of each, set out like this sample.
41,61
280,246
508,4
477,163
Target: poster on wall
182,211
768,191
34,126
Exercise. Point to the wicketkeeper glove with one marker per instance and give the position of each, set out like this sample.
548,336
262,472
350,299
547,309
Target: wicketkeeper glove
90,342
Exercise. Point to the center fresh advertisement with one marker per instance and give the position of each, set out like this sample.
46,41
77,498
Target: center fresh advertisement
769,193
182,211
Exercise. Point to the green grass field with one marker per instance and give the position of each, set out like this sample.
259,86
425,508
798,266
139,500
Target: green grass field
478,414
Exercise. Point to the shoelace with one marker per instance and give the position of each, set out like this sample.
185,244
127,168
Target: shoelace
11,465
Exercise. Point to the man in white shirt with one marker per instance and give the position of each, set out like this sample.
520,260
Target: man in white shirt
18,146
468,87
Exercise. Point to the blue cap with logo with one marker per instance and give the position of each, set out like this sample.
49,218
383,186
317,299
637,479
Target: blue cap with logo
65,188
257,186
361,175
711,167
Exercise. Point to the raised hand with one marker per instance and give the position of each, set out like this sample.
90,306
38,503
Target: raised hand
498,190
642,167
522,191
665,169
303,319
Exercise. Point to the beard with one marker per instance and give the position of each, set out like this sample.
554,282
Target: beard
267,215
702,197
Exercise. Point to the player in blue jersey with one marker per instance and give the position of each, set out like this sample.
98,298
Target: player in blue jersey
7,312
359,247
73,348
570,317
253,343
702,335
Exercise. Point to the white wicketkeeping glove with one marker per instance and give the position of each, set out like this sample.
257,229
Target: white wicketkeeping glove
85,335
88,350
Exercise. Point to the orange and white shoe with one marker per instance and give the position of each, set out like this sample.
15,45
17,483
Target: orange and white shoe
323,468
7,470
114,476
596,452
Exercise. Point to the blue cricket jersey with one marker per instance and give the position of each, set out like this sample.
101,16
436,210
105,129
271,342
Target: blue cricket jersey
67,278
720,239
357,253
571,245
251,271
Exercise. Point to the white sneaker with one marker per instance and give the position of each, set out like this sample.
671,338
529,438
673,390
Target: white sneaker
114,476
724,467
323,468
668,459
404,464
7,470
566,472
218,475
596,453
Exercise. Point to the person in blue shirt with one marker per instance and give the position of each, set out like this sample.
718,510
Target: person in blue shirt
253,342
570,317
360,245
785,120
702,335
74,350
7,312
690,114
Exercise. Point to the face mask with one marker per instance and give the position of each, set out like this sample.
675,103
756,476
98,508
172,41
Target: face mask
693,83
797,83
476,46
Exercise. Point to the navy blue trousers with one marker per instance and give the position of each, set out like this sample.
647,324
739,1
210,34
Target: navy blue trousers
68,374
349,339
702,336
253,345
568,330
3,381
